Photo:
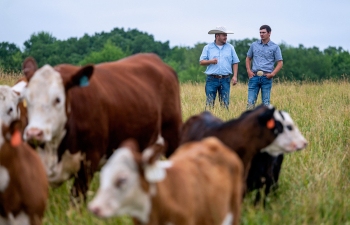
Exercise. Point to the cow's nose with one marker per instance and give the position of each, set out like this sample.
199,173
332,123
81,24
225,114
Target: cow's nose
305,144
95,210
35,134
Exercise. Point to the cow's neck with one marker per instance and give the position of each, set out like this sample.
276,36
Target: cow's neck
165,208
245,138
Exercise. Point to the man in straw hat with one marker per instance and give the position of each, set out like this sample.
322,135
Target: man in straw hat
264,54
219,57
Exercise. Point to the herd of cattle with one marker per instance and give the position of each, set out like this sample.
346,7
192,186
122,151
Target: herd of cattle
122,117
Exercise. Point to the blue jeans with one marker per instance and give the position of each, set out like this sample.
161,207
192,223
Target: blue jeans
255,84
214,85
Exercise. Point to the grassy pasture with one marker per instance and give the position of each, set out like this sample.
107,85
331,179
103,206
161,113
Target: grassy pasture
314,183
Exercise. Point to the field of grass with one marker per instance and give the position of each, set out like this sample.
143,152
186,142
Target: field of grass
314,183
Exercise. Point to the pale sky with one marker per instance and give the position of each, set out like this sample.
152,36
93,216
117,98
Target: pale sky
320,23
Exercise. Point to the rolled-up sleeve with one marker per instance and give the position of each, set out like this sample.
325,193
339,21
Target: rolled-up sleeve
250,51
235,58
204,55
278,54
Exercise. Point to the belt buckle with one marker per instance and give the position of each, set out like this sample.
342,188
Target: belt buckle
260,73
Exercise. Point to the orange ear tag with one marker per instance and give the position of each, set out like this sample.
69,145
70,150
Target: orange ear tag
16,139
270,124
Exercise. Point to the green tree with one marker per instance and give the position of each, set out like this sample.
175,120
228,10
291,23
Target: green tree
110,52
10,56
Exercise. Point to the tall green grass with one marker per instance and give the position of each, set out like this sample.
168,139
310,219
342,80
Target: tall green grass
314,185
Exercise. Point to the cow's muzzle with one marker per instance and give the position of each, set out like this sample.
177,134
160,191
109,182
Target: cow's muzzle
35,136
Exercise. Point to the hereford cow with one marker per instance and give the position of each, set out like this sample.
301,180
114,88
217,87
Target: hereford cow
78,115
200,184
11,106
266,165
23,181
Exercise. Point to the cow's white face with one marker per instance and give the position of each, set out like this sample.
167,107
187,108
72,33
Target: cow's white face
8,105
120,191
289,140
45,95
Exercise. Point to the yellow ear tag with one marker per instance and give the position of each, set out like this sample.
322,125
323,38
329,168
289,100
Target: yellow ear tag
24,103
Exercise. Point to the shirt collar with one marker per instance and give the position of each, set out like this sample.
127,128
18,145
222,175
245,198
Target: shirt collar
218,45
268,43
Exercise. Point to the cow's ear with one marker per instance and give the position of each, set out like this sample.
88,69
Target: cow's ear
80,78
133,146
29,67
266,118
153,153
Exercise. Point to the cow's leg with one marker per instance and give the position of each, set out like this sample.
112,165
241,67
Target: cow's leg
171,134
257,197
269,176
80,186
276,171
237,195
171,120
84,176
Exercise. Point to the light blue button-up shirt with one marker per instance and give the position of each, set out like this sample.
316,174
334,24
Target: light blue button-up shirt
264,55
226,57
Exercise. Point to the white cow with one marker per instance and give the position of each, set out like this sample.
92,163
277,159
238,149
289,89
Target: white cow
9,99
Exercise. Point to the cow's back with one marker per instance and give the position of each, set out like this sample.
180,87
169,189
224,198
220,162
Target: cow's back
127,98
199,126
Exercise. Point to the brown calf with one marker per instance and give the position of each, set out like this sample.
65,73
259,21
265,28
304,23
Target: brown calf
201,185
23,182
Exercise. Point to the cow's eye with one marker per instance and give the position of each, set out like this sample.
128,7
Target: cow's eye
57,101
289,127
120,181
9,111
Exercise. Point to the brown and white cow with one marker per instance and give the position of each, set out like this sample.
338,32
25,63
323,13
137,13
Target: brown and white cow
79,124
200,184
266,165
23,181
261,129
11,106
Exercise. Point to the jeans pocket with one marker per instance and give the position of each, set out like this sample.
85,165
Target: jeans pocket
209,78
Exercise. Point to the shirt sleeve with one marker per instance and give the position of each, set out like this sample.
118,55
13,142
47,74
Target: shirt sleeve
250,51
278,54
234,56
204,54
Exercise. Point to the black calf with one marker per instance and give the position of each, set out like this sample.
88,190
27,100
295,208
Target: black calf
264,171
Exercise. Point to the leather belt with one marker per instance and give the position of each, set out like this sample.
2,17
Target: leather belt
219,76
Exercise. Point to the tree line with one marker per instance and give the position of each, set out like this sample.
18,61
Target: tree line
299,63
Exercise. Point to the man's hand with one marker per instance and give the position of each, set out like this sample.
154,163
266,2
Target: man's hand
234,81
214,61
269,75
250,74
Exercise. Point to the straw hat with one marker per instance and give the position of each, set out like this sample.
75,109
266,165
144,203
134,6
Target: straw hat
220,30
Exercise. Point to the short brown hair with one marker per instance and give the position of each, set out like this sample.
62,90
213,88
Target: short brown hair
267,27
